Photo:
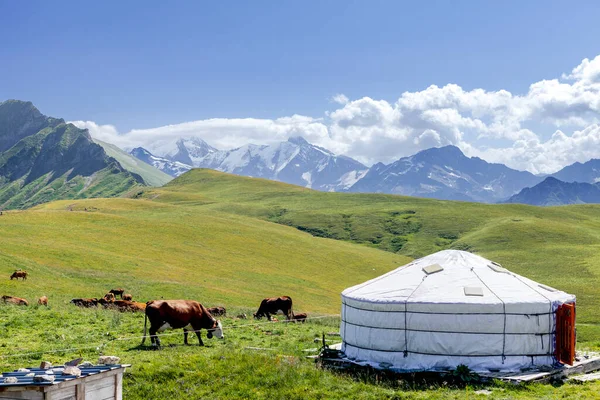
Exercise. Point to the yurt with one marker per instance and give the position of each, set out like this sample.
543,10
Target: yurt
453,308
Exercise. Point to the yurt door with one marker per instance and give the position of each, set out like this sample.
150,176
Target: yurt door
565,334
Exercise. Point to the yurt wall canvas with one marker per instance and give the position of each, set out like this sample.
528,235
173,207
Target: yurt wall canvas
447,309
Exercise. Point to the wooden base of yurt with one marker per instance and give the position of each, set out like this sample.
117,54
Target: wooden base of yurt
586,364
582,370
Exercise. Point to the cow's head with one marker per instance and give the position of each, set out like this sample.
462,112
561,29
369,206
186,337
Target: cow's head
258,315
216,330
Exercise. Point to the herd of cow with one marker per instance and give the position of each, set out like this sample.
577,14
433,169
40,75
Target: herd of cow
109,300
189,315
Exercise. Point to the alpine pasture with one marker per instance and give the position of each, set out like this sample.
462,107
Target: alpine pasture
231,241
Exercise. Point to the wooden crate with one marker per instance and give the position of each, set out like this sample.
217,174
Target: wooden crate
96,383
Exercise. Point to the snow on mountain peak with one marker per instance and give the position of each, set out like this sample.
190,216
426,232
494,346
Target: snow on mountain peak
298,140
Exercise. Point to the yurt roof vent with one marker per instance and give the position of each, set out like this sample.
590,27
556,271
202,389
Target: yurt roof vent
432,269
473,291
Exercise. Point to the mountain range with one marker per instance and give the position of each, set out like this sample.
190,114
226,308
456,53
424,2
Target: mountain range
441,173
44,158
554,192
445,173
294,161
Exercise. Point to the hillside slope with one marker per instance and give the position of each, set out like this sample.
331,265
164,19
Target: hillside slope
150,175
210,236
44,159
555,245
162,250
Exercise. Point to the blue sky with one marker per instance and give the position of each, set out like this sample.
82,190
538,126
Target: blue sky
141,65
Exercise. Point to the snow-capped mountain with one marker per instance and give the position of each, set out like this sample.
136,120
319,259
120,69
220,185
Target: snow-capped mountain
294,161
173,168
445,173
188,151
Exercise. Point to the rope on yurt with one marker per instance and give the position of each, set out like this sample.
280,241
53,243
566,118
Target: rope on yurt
503,312
550,313
446,313
406,318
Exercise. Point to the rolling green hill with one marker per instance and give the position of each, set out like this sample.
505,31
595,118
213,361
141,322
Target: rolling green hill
229,240
156,249
557,246
151,176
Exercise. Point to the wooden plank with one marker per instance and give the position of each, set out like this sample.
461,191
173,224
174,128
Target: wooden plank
585,378
119,387
99,383
89,378
528,377
580,367
105,392
60,394
25,395
80,389
4,389
583,366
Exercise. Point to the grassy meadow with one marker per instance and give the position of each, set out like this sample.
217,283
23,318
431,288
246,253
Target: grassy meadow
228,240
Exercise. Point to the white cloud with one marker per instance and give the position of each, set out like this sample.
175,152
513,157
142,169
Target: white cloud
340,99
498,126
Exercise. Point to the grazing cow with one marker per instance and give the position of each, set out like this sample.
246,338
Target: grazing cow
242,316
19,274
187,314
43,301
15,300
117,292
300,317
274,304
85,302
109,297
126,305
127,297
217,311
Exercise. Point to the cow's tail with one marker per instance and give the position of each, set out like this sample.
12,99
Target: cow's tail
145,324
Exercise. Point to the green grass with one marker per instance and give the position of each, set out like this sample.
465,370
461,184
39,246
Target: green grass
558,246
227,240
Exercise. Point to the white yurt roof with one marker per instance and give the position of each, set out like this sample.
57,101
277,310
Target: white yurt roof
451,308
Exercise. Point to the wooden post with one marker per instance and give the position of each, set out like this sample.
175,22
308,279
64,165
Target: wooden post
119,386
80,391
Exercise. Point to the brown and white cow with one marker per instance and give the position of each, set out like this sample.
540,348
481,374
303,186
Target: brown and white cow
272,305
127,296
43,301
14,300
174,314
19,274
